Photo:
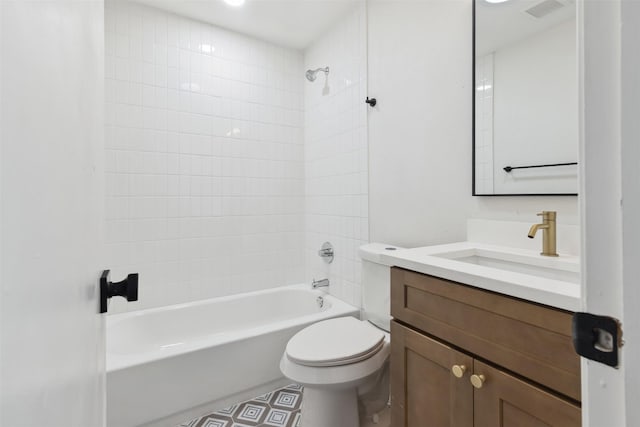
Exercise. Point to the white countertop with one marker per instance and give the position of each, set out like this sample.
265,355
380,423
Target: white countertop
551,292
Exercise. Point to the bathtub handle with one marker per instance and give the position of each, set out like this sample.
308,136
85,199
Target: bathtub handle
326,252
127,288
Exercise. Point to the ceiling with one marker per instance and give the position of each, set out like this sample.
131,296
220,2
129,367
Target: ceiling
501,24
290,23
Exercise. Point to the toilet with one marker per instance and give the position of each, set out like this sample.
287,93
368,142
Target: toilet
343,362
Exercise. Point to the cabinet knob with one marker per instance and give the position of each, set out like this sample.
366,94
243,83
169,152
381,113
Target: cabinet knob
458,370
477,380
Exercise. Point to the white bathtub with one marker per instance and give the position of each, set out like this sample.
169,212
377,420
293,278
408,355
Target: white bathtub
170,364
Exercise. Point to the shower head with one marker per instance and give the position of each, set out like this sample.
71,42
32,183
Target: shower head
313,74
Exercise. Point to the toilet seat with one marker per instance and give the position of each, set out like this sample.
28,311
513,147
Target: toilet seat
335,342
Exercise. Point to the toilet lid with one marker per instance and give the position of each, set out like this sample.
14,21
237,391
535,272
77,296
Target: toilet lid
335,342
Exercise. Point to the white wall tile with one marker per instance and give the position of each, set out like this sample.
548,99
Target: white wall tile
336,156
204,158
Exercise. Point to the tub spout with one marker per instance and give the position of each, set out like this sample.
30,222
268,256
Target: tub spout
320,283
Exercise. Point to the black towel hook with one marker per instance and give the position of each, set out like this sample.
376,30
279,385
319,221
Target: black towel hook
372,102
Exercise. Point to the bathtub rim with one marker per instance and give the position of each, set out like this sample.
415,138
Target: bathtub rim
117,362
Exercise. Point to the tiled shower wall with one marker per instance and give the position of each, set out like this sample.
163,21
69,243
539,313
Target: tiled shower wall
204,158
336,155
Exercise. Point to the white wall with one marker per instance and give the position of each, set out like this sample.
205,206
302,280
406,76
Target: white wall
420,133
336,155
511,208
535,118
204,158
51,173
630,149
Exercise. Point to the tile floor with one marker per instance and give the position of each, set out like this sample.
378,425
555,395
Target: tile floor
279,408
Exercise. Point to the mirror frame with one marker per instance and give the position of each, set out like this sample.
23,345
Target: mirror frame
473,122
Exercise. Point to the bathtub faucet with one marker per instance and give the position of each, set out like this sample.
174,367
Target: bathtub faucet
320,283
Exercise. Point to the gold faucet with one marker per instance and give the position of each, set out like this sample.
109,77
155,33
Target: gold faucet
548,228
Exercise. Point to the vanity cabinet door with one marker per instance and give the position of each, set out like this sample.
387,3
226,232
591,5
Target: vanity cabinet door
506,401
424,391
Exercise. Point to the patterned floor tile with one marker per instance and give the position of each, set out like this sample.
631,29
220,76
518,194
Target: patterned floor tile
228,411
285,399
210,422
277,417
265,397
252,412
279,408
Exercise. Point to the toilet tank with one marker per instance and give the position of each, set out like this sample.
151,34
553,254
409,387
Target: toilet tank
376,284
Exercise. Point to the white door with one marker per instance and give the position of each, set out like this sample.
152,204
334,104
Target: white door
610,200
630,153
51,115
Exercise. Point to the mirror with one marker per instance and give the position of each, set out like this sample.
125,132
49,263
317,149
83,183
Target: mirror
525,138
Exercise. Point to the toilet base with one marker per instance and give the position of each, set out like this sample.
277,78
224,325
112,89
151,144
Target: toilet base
330,407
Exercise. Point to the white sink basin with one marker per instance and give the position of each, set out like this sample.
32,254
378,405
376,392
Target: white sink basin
525,274
536,265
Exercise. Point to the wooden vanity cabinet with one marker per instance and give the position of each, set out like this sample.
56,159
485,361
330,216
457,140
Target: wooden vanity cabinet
526,371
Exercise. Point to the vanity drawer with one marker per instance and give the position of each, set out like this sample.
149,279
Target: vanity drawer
526,338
